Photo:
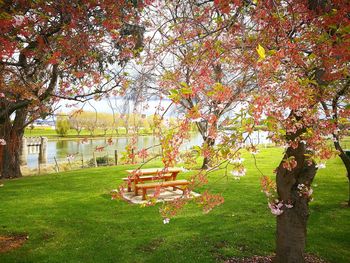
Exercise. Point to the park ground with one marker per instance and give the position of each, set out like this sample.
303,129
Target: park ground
70,217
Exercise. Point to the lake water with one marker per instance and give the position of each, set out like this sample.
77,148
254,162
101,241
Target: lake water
61,148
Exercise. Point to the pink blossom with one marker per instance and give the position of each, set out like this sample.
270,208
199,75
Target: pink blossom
301,186
321,166
18,20
84,141
238,160
239,173
166,221
310,191
276,209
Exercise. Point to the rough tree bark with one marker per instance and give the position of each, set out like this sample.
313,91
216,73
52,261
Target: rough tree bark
210,143
346,161
13,132
292,223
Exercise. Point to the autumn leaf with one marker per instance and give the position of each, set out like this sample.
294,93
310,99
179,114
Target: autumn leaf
261,52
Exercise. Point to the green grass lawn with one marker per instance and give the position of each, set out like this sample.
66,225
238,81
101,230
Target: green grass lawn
70,217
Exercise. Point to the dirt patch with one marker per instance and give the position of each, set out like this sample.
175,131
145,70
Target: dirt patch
8,243
152,245
269,259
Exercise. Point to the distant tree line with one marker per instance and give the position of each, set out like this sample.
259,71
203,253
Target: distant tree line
97,123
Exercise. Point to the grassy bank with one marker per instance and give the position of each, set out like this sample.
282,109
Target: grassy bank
72,134
69,217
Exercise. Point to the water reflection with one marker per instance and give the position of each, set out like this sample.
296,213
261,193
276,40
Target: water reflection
60,149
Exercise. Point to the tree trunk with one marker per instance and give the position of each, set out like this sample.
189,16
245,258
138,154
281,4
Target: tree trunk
209,142
346,161
292,223
205,164
13,133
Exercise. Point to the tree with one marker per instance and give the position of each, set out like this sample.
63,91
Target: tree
301,59
75,121
198,73
89,121
62,125
146,127
336,109
297,55
118,123
104,122
296,49
59,49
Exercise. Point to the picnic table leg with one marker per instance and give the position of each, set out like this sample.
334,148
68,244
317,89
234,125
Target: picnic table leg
144,192
174,174
136,190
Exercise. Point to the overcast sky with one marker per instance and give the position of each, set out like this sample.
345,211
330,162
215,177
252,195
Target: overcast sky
104,105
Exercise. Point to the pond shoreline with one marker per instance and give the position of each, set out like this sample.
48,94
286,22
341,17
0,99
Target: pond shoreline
88,137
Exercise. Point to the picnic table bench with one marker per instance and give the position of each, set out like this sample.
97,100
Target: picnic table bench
174,184
131,179
167,177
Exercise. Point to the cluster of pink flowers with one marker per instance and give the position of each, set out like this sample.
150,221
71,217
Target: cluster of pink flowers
321,166
236,161
305,191
166,220
290,164
239,173
114,194
209,201
142,153
84,141
170,209
2,142
276,208
277,205
99,148
110,141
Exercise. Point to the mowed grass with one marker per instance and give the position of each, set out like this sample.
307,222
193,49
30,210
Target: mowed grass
70,217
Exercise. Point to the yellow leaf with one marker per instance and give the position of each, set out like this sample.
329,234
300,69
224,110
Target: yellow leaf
261,52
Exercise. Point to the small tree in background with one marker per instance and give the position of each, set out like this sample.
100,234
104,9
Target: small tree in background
62,125
104,122
75,121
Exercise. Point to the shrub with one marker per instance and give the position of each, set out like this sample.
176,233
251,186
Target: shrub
62,125
102,160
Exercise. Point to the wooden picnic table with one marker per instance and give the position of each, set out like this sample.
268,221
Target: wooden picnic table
150,174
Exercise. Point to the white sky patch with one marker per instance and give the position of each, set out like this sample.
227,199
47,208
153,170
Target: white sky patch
103,106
